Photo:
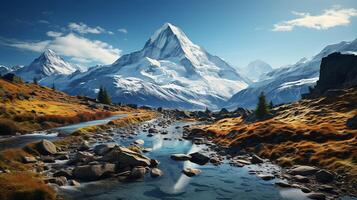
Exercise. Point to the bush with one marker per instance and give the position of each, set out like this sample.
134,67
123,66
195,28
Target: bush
8,127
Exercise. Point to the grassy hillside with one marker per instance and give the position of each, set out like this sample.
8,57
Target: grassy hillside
32,107
310,132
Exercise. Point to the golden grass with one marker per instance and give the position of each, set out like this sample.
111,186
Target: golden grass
24,186
311,132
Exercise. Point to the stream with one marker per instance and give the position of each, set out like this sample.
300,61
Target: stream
215,182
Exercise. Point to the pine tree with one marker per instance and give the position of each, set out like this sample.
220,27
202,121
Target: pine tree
262,110
35,81
271,105
103,96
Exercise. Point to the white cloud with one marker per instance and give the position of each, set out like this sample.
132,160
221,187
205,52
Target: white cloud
42,21
53,34
83,28
79,48
123,30
335,16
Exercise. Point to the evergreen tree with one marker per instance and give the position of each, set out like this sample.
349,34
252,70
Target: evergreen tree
262,110
271,105
35,81
53,86
103,96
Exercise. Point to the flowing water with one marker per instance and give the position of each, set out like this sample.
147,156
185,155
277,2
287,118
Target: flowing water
215,182
21,140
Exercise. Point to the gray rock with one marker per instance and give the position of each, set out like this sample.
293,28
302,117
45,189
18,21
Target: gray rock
93,172
266,177
154,163
316,196
64,173
191,172
137,173
155,172
324,176
199,158
29,159
74,183
283,184
102,149
301,179
256,159
303,170
83,157
180,157
46,147
153,130
139,142
126,157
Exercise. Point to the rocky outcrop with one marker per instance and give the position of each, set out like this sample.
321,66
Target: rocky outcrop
337,71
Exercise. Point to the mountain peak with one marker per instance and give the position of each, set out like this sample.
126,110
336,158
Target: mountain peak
49,53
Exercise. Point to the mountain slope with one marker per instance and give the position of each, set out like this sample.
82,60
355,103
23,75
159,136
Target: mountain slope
47,64
286,84
256,68
169,71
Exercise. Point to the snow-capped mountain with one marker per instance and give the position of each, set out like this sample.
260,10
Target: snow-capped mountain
170,71
47,64
255,69
286,84
4,70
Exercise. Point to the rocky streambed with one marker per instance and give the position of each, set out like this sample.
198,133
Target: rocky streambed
158,160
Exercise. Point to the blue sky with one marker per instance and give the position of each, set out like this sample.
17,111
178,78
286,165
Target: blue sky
279,32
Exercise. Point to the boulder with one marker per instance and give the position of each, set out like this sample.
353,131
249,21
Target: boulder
62,172
324,176
156,172
199,158
154,163
191,172
126,157
93,172
303,170
180,157
61,181
137,173
46,147
256,159
83,157
102,149
301,179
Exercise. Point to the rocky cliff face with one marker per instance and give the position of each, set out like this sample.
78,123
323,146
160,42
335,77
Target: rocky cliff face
337,71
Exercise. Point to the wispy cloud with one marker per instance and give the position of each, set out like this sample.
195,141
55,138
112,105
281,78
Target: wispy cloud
84,29
42,21
335,16
53,34
78,48
123,30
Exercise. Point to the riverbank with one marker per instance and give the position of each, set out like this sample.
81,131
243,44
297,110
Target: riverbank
24,172
311,132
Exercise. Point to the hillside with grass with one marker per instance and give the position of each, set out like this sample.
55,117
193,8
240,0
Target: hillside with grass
27,107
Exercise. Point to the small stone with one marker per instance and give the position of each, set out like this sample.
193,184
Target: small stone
266,177
29,159
191,172
283,184
180,157
301,179
316,196
256,159
64,173
139,142
199,158
154,163
303,170
74,183
155,172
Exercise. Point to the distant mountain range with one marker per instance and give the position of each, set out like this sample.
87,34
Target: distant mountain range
171,71
255,69
286,84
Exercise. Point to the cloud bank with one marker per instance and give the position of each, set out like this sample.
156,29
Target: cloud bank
329,18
